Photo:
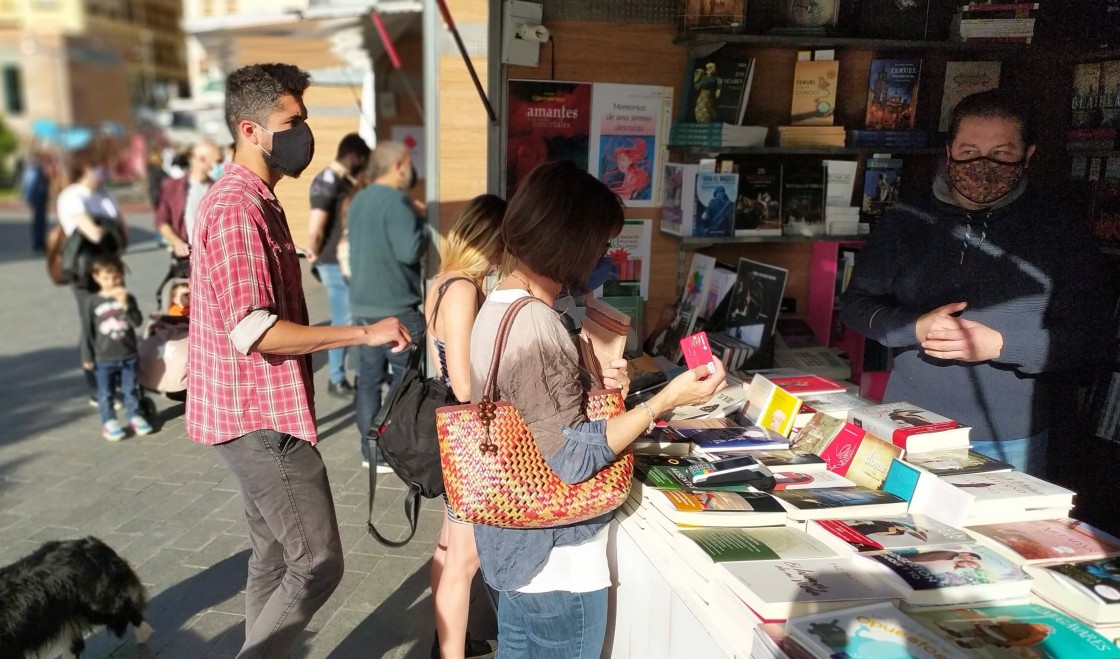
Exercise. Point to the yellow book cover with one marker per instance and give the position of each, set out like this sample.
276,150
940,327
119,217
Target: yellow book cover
814,93
872,462
780,412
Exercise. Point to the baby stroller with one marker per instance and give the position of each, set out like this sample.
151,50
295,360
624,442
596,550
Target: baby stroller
163,350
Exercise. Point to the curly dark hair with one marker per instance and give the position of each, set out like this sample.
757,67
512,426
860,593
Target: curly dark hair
255,90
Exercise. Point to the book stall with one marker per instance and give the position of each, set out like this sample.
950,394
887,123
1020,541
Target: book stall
869,531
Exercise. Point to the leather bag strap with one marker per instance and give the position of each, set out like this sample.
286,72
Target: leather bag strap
490,390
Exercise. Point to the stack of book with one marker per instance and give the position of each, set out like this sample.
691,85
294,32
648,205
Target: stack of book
717,135
889,139
793,136
984,21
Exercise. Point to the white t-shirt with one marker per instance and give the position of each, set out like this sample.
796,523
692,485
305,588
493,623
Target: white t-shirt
195,192
76,199
574,568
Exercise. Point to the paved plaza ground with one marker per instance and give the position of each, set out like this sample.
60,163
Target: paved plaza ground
166,504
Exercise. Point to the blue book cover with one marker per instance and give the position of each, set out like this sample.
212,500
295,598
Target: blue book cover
892,94
1027,630
715,204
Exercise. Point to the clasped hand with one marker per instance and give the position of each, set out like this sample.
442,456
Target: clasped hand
945,336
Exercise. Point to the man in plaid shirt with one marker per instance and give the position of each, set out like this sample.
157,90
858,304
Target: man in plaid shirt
249,376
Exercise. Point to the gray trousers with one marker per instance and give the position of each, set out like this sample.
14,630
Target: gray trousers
297,554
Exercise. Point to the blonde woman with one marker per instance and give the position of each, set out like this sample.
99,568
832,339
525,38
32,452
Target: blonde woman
473,250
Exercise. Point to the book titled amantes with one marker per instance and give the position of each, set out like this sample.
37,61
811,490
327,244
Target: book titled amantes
910,427
1047,541
1089,589
840,503
952,575
879,533
777,590
1027,630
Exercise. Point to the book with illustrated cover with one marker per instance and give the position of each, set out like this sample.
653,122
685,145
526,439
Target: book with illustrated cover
716,88
784,459
780,412
848,450
840,503
964,79
1085,110
722,435
1045,541
783,589
803,199
546,121
892,94
910,427
678,191
957,461
718,16
952,575
712,508
874,631
1017,631
882,180
754,302
814,93
629,131
879,533
688,309
714,216
1088,589
758,207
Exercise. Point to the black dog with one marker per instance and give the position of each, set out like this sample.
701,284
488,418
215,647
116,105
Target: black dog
52,598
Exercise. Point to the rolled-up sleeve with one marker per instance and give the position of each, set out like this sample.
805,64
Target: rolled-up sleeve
239,267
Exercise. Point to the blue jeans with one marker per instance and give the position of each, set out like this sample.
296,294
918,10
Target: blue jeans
123,374
554,625
1027,454
338,296
374,365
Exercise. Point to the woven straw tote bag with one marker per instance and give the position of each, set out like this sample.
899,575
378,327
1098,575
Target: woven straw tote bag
493,472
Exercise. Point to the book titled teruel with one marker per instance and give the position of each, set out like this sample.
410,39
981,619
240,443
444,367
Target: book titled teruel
1011,496
879,533
778,590
715,435
1007,632
708,508
1047,541
867,632
814,92
840,502
1090,589
892,94
952,575
910,427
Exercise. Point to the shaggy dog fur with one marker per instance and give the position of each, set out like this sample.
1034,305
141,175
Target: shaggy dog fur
51,599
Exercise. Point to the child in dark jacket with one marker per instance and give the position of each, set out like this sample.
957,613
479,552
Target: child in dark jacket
109,324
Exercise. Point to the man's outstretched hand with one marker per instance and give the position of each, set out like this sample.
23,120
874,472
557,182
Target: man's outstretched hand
388,332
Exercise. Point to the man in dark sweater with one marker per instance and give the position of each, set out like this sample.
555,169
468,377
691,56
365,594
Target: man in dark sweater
324,229
387,242
988,292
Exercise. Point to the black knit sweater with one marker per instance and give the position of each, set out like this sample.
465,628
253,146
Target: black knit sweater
1023,268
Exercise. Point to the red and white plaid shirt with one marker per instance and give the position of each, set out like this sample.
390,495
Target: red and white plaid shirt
243,259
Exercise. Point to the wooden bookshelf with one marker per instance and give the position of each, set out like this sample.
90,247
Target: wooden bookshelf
693,150
807,42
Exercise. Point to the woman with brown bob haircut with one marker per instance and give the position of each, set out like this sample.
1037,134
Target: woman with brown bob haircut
553,581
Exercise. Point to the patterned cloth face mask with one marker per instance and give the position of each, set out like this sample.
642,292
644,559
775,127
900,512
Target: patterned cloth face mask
985,180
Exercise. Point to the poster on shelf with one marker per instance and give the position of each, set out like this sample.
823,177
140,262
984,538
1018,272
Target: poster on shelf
629,127
413,138
630,259
546,121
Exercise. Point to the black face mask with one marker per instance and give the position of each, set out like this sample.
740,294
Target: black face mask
292,150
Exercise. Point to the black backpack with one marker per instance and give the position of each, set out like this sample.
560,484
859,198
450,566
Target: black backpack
405,430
